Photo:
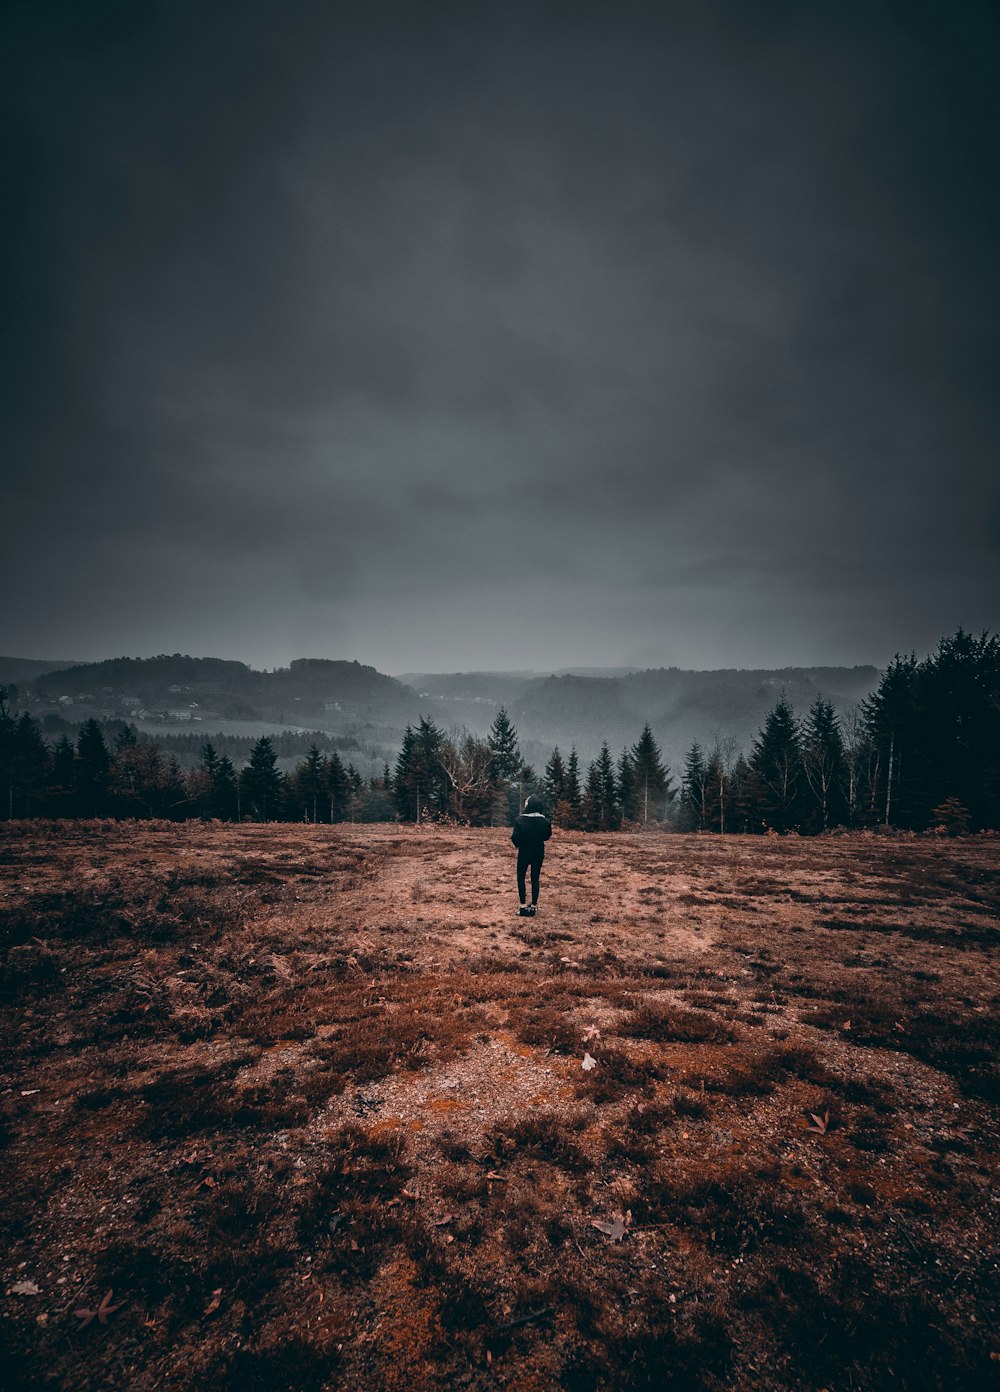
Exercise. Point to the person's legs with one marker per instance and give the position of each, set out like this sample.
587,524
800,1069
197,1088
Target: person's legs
536,870
522,865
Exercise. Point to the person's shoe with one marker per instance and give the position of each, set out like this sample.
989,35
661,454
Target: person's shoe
531,910
524,911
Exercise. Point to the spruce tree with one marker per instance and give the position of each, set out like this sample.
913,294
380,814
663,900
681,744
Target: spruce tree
555,779
609,788
505,755
355,792
93,768
824,767
741,785
777,763
652,779
626,786
225,790
958,732
573,792
715,778
600,801
420,780
310,780
693,789
28,766
62,779
261,783
337,789
593,800
891,722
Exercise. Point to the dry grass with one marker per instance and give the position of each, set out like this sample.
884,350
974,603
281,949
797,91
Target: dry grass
311,1102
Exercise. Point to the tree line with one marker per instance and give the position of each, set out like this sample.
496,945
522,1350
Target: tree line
922,750
128,778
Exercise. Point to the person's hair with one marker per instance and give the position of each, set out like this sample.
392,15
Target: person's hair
534,804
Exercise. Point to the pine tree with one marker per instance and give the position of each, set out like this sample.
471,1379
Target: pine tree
200,782
653,789
93,768
777,763
61,790
337,790
171,799
137,779
570,812
355,792
310,780
573,790
28,768
593,800
626,786
261,783
714,803
601,810
891,723
741,794
957,736
609,789
693,789
225,791
555,779
420,780
505,755
824,767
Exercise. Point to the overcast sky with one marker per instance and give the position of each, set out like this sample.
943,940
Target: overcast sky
452,336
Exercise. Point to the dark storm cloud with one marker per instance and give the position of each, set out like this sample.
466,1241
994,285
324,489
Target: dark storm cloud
450,336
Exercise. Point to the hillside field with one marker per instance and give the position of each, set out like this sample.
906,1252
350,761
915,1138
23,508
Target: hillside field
296,1107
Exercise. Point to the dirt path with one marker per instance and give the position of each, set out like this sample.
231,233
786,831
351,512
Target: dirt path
456,897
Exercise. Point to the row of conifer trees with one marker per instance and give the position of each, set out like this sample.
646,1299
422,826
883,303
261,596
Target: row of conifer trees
923,750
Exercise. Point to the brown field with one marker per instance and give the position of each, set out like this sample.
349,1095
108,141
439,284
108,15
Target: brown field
310,1103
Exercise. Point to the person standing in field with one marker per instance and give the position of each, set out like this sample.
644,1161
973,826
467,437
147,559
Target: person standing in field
531,831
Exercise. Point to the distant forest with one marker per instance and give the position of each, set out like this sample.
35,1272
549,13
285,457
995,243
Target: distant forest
921,751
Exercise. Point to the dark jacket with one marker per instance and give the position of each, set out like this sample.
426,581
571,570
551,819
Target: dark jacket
531,831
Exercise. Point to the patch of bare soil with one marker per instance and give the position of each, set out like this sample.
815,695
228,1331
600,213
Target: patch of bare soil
312,1108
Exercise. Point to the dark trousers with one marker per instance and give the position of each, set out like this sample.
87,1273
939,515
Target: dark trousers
524,859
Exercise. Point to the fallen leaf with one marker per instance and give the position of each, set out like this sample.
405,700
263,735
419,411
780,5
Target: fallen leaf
492,1174
588,1063
615,1227
412,1194
591,1032
25,1288
441,1222
847,1024
215,1302
29,1092
821,1123
335,1222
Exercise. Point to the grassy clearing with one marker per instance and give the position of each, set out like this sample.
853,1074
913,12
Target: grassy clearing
311,1103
